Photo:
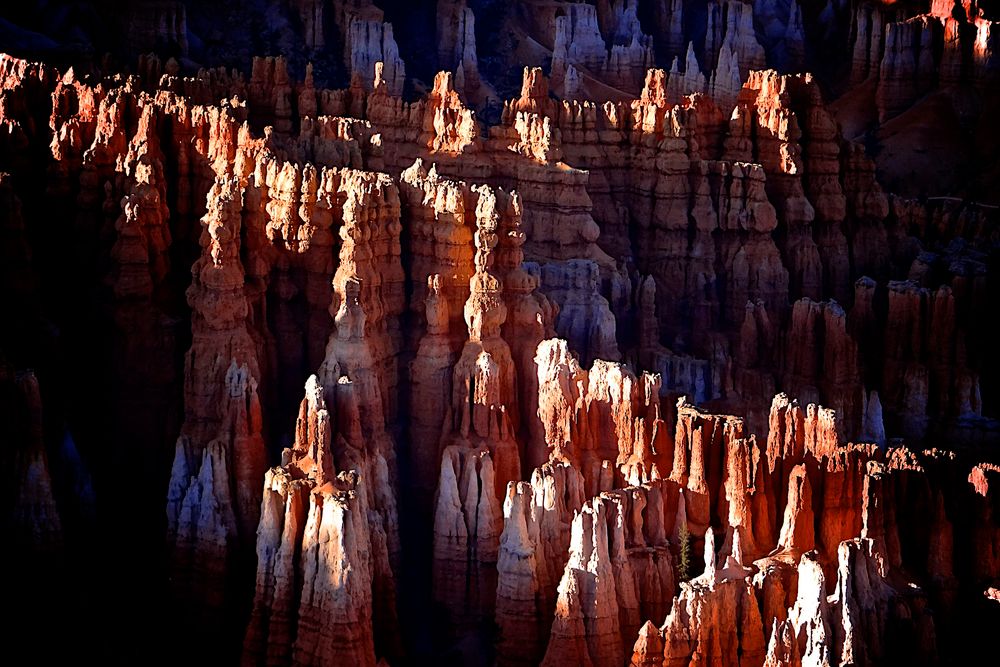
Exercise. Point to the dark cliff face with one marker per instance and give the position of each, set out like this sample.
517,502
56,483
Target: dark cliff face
556,356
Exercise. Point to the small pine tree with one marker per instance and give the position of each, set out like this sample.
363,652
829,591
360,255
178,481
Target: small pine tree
684,555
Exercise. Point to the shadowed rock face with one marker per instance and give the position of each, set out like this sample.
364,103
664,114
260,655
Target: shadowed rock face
618,365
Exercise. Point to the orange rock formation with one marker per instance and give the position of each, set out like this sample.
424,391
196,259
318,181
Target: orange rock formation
649,371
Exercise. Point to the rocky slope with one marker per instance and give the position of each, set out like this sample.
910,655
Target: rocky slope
641,365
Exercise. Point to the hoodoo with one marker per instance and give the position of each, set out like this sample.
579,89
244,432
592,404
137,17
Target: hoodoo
609,333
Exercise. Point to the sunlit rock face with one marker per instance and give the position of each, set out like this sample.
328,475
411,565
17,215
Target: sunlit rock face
618,333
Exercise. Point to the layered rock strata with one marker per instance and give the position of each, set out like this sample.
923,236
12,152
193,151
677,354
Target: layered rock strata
725,244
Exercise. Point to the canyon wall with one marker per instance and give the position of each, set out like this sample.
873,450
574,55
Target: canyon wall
638,366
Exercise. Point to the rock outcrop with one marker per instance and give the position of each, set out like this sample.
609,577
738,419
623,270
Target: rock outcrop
481,453
328,542
639,366
779,609
533,545
219,460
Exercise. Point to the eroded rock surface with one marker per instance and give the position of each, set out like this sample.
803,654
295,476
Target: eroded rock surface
618,365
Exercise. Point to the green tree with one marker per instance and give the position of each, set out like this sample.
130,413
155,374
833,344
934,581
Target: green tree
684,552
